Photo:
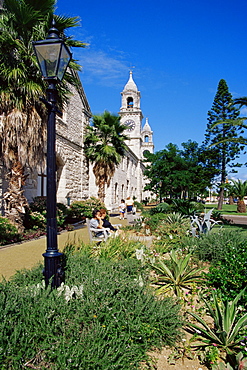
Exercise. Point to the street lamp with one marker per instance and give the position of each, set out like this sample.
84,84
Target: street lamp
53,57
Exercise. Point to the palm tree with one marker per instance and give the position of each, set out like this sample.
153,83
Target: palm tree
239,189
22,115
104,146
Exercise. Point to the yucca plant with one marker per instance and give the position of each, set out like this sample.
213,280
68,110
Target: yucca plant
176,274
228,329
176,217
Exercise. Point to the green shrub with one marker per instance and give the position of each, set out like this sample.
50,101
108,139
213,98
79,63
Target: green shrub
37,217
104,318
38,204
213,246
174,227
37,220
84,208
139,206
8,232
186,207
153,221
229,275
160,208
228,329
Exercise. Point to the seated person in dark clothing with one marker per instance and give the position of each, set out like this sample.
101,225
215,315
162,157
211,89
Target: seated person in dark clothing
106,223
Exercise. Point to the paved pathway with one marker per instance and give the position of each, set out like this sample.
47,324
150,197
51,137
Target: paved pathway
26,255
236,219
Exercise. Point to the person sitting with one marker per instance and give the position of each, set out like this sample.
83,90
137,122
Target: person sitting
96,222
113,230
106,223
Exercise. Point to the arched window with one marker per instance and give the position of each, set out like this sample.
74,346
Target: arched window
130,102
146,139
116,193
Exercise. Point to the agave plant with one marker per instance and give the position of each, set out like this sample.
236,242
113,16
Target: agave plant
227,330
176,274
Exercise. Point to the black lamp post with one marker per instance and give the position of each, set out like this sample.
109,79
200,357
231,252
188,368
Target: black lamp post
53,57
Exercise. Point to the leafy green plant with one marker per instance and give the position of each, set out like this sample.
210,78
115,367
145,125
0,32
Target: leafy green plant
241,364
84,208
8,232
103,318
37,220
186,207
228,328
160,208
153,221
229,274
176,217
212,247
176,274
173,228
116,248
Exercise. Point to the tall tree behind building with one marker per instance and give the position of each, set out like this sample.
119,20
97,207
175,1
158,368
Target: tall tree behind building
223,110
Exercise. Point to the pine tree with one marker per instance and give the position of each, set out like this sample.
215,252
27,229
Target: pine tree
223,110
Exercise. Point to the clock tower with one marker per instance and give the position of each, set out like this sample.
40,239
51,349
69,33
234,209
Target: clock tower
131,115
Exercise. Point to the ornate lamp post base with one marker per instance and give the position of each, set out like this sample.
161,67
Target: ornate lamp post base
53,268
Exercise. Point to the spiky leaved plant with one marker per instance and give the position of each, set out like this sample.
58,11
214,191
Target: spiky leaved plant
176,274
227,331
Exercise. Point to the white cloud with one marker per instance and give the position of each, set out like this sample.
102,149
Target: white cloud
102,68
243,111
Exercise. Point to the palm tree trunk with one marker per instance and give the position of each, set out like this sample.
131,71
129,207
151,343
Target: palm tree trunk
101,191
14,199
241,207
231,200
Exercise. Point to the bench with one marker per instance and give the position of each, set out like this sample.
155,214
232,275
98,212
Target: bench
92,233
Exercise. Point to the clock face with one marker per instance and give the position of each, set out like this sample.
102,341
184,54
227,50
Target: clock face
130,125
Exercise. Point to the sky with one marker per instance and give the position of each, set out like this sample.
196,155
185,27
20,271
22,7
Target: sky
178,51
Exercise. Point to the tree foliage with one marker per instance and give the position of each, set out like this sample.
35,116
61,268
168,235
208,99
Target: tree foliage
223,135
186,172
104,146
22,115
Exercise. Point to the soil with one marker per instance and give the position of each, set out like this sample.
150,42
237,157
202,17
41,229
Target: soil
162,362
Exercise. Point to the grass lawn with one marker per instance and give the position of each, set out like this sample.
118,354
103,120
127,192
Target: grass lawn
236,227
227,209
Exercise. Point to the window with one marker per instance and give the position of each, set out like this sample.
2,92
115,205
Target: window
130,102
41,186
146,139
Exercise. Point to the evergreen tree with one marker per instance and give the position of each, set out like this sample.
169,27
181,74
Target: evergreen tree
223,111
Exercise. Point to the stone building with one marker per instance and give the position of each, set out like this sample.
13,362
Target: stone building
128,180
75,178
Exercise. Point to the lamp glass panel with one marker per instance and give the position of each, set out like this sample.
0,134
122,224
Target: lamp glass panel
48,57
64,61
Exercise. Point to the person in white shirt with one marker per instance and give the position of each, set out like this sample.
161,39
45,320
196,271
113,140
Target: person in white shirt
96,222
122,208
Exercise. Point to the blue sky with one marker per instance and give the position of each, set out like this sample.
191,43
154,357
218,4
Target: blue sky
179,49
